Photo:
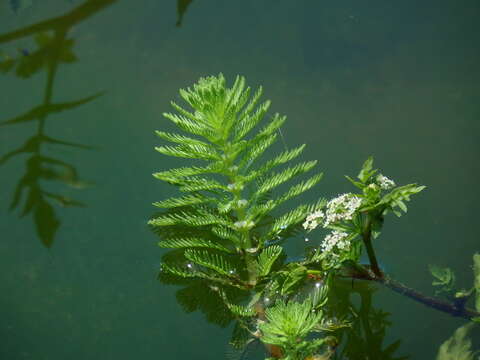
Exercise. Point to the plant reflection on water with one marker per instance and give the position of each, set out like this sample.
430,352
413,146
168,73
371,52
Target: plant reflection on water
53,48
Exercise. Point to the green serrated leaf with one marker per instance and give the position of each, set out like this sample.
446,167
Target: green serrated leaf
398,196
295,276
280,159
183,201
445,277
366,172
355,183
177,243
267,258
279,178
192,219
212,261
457,347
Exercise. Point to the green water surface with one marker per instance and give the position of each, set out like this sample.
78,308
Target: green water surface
398,80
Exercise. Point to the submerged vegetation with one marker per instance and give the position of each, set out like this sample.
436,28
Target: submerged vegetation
226,234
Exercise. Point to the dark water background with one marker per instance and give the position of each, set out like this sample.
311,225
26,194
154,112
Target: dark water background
398,80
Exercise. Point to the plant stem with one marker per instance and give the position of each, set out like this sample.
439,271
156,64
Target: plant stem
250,259
413,294
367,240
441,305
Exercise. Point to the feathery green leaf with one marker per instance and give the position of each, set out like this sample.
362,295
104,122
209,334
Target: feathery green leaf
267,258
210,260
192,242
183,201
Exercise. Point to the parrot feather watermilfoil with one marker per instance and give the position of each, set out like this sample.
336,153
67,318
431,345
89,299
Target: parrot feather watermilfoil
224,239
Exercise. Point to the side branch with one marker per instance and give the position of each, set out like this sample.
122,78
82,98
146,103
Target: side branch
454,309
441,305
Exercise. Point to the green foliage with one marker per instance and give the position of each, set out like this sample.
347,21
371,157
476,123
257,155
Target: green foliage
374,191
267,258
291,220
292,278
240,336
357,215
192,243
366,172
458,347
210,260
397,198
288,324
225,241
445,278
221,226
200,295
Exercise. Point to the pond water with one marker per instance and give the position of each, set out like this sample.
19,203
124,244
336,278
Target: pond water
398,80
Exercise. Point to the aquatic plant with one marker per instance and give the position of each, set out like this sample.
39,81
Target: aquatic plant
287,326
226,235
458,346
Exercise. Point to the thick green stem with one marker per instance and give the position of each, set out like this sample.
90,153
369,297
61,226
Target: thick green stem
367,240
246,246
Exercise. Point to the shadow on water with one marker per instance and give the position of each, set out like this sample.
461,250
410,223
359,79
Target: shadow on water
53,48
365,337
182,6
19,5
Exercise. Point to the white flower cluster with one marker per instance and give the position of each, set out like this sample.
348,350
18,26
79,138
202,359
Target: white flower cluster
342,208
313,220
335,239
384,182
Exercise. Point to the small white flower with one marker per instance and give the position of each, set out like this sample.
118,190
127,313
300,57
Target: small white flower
243,224
384,182
241,203
235,186
240,224
342,208
313,220
336,239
